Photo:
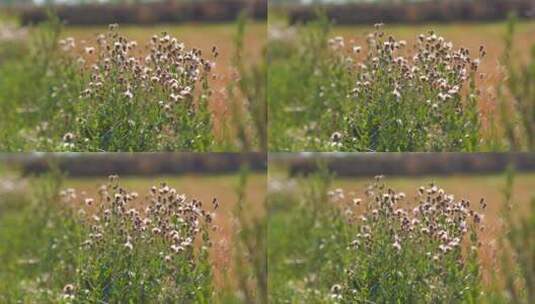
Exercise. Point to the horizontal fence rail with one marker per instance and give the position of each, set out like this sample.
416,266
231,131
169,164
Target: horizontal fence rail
97,164
419,12
370,164
148,13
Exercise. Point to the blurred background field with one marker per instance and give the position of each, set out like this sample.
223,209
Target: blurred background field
467,176
231,178
235,29
420,11
468,24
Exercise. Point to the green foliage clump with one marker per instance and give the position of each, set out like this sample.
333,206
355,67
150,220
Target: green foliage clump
515,280
38,238
307,241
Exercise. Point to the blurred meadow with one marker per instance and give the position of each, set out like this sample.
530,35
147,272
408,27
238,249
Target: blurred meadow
316,218
318,53
71,206
209,55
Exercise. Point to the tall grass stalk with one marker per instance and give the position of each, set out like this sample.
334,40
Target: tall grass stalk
250,251
517,95
517,250
247,95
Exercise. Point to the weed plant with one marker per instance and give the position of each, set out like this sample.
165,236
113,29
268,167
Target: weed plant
333,247
250,255
412,251
65,247
334,95
65,95
307,241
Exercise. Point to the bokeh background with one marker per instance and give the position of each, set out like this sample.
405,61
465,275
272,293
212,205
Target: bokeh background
203,176
470,176
466,23
201,24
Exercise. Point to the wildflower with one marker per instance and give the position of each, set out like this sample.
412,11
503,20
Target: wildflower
336,137
454,90
68,137
482,203
128,94
132,45
128,245
397,245
68,289
167,108
89,50
444,248
176,97
89,201
397,94
176,248
336,289
477,218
